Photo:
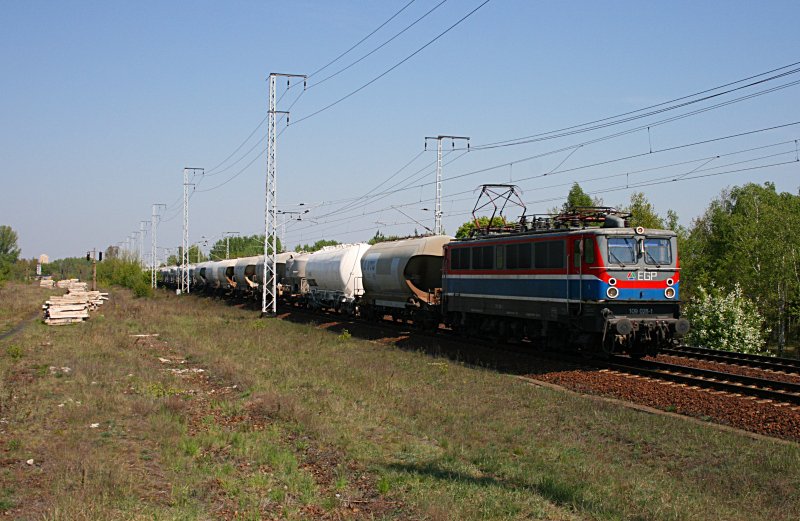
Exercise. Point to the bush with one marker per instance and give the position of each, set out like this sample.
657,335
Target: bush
726,321
125,273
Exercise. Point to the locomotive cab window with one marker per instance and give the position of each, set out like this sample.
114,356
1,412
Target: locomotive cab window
622,250
657,251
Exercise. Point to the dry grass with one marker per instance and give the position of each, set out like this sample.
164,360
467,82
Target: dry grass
289,421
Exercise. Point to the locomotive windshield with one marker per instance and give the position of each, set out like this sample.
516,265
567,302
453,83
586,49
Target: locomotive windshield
657,251
622,250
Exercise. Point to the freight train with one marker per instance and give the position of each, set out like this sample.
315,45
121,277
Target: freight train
580,280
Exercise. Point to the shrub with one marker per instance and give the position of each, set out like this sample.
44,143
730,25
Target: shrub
125,273
14,351
728,321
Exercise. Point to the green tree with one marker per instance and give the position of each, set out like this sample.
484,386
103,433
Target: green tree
576,198
68,268
748,236
245,246
9,251
468,228
195,255
317,245
643,214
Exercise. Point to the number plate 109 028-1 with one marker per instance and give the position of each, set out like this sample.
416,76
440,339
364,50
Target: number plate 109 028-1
640,311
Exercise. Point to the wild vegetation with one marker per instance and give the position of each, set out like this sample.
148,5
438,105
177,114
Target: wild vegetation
274,419
725,320
244,246
9,251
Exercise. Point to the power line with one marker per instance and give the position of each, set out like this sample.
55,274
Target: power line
487,145
600,163
211,170
381,46
360,41
393,67
624,158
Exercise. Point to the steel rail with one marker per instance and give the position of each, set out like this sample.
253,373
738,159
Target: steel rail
788,365
759,387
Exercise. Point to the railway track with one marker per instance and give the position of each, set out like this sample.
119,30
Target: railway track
787,392
762,388
734,384
785,365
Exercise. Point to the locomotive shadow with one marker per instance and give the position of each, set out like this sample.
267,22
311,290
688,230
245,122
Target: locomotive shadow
513,359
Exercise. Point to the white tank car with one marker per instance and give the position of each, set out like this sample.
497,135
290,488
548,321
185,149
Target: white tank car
224,273
405,274
294,280
244,273
280,266
334,276
200,278
210,274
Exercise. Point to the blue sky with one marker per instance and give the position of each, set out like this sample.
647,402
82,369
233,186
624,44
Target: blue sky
104,103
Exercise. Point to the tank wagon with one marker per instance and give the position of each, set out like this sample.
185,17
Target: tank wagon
334,278
280,268
404,279
244,275
294,281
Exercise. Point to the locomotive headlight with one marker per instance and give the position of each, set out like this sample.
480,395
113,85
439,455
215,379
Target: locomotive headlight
639,230
670,282
612,292
612,281
669,292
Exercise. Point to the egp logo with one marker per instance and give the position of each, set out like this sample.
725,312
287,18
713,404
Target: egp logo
642,275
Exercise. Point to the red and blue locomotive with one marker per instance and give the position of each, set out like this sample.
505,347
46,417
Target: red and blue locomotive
583,279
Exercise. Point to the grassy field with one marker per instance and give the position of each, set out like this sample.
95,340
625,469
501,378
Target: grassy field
223,415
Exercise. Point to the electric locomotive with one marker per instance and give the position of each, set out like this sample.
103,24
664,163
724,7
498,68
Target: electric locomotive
582,279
